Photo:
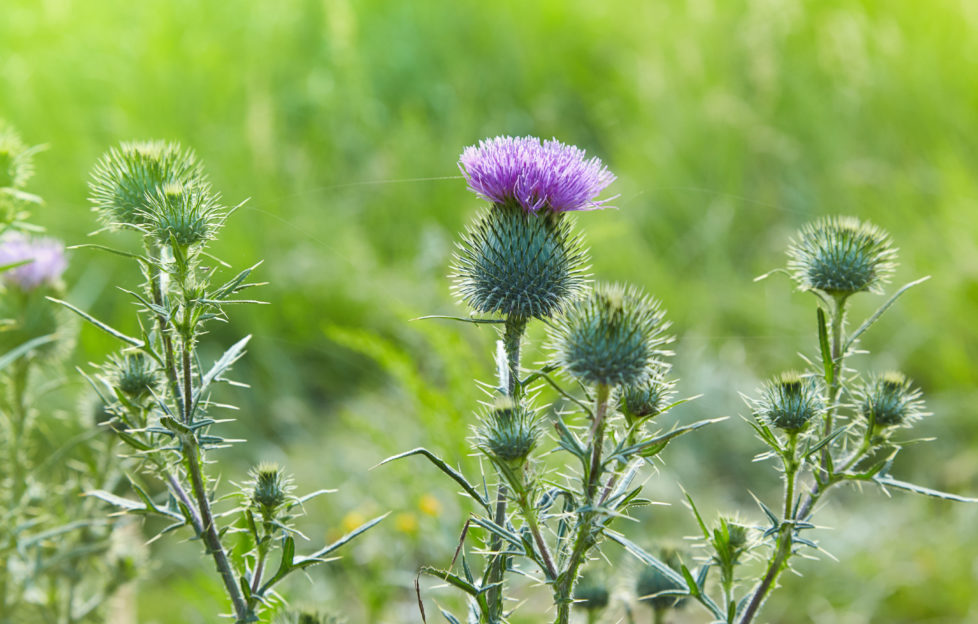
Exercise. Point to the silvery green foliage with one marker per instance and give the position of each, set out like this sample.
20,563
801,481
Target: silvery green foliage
516,264
519,263
827,426
157,392
60,558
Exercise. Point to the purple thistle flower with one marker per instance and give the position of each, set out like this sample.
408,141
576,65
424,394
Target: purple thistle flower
47,257
537,175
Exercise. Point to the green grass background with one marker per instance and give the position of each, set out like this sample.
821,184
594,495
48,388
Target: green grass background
728,123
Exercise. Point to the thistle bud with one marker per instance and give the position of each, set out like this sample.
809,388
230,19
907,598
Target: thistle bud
890,400
508,432
270,489
611,337
646,400
789,402
651,581
135,374
841,256
591,592
520,264
125,176
181,214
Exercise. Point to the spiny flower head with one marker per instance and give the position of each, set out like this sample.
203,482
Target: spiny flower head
889,400
591,592
519,264
537,176
125,176
46,261
789,401
612,336
134,373
185,215
646,400
271,489
508,432
16,159
651,581
841,256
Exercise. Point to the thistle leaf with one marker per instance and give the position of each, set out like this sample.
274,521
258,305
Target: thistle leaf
444,467
886,482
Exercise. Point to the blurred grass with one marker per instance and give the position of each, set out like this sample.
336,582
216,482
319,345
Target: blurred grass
729,124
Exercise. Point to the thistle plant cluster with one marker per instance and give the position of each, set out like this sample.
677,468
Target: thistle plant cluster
157,392
826,425
521,262
59,557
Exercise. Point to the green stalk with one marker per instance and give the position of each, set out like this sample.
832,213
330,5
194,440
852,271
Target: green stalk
583,540
210,536
779,558
835,383
515,327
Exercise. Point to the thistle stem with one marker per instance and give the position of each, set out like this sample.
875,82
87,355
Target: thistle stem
835,384
530,516
777,563
783,552
211,539
583,540
514,329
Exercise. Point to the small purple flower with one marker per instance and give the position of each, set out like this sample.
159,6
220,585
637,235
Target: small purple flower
537,175
47,257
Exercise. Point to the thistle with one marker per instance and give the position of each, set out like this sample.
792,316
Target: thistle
841,256
522,261
135,374
59,559
42,261
519,264
538,176
125,177
591,594
656,589
508,433
789,402
184,215
611,337
646,400
158,189
890,400
269,490
522,258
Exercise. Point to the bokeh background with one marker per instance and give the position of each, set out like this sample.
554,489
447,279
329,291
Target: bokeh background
729,124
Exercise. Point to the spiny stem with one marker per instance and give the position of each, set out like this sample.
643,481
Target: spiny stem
778,560
531,519
515,327
835,384
210,536
583,540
